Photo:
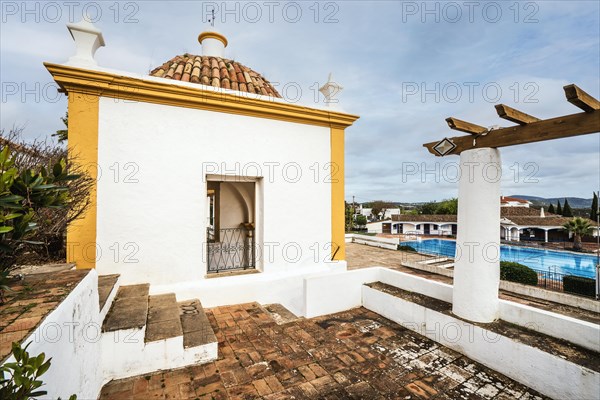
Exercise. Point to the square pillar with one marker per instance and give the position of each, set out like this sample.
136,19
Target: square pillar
477,265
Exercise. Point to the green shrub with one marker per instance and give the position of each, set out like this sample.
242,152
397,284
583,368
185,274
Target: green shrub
579,285
19,380
404,247
515,272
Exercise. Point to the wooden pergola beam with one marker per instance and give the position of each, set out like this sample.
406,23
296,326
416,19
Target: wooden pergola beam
516,116
464,126
548,129
581,99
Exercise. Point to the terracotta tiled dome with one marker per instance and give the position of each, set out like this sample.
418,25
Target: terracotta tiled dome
215,71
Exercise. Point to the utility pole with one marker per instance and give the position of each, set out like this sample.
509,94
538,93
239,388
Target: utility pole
353,212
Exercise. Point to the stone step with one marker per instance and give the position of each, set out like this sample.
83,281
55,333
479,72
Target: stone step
196,326
106,284
163,318
129,309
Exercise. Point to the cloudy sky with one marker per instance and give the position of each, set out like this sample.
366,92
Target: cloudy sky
405,67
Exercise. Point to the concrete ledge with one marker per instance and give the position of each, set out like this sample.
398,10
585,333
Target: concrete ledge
544,372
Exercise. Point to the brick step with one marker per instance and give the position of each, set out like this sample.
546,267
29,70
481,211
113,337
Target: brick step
129,308
196,327
163,318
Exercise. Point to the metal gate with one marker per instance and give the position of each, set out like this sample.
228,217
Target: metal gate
230,249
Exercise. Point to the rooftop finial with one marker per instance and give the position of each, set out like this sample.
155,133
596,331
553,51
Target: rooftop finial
87,39
330,90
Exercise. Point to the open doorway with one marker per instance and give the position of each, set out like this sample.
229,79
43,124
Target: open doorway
231,226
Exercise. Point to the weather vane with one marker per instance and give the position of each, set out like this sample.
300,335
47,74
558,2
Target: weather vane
212,19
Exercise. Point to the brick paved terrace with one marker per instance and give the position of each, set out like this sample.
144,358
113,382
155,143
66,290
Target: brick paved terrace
355,354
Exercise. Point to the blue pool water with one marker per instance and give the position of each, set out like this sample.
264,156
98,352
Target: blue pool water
543,260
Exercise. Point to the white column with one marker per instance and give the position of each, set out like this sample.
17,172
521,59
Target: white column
546,235
477,266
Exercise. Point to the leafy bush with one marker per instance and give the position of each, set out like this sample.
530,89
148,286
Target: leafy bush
19,380
45,243
515,272
404,247
25,194
579,285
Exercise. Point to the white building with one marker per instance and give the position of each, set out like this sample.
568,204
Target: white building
516,223
506,201
386,214
202,167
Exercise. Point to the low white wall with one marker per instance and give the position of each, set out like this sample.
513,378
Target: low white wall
335,292
386,243
429,268
583,333
548,374
70,335
285,287
412,283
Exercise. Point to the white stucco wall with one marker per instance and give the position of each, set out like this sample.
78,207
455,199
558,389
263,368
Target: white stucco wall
70,335
154,211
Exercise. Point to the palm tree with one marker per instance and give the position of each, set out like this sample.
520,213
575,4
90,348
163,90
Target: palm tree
579,227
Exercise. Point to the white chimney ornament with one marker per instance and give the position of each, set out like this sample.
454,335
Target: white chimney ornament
213,43
87,39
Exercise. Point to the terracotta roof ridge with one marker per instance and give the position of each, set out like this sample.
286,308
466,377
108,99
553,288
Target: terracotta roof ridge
214,71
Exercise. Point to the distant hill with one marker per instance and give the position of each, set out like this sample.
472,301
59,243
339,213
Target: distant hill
574,202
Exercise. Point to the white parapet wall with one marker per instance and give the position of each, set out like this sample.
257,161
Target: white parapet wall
542,371
583,333
335,292
70,335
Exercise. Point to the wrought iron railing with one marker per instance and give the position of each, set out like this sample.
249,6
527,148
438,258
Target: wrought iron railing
555,281
550,280
230,249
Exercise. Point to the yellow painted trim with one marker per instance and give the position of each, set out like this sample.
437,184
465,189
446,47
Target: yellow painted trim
83,149
86,86
116,86
338,231
212,35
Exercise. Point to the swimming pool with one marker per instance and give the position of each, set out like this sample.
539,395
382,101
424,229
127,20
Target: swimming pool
543,260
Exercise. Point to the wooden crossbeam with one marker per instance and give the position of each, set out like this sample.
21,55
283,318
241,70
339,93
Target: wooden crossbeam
548,129
513,115
464,126
581,99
